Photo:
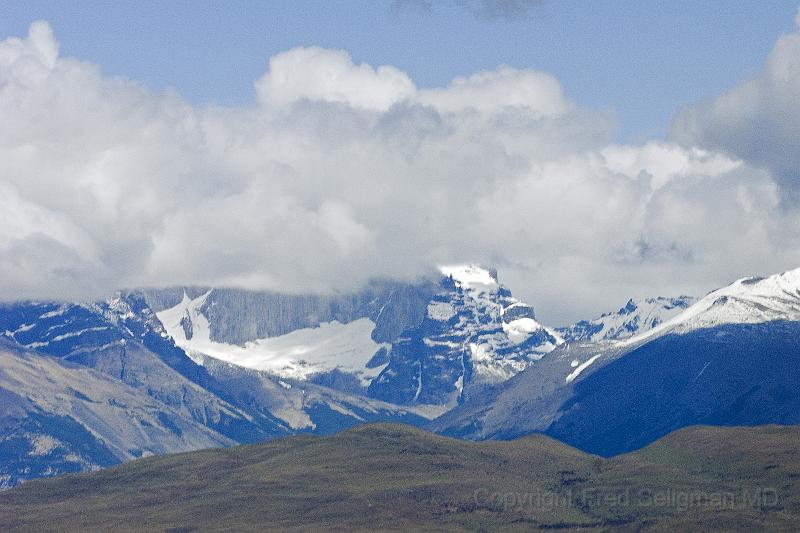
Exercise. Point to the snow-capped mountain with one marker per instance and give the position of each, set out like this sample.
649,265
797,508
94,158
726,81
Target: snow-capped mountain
731,358
122,338
193,367
474,332
87,385
467,329
750,300
636,317
331,340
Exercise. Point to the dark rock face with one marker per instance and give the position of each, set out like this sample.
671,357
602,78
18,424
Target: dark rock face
517,312
338,380
581,331
404,307
380,358
188,327
418,373
462,341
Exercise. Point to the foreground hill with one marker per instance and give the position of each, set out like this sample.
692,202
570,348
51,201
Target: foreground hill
390,477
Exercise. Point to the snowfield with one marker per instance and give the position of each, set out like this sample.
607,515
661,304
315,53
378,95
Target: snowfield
297,355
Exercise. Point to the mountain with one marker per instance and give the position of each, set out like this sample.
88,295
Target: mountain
732,358
459,355
319,349
637,316
751,300
474,333
419,344
106,375
240,366
387,477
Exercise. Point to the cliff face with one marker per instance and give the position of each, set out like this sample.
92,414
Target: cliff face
236,316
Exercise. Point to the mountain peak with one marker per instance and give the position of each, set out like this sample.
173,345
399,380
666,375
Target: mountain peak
749,300
636,317
471,277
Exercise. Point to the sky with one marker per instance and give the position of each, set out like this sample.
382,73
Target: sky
591,151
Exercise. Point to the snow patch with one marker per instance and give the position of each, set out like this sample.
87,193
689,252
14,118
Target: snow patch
57,312
43,445
77,333
471,277
580,368
24,327
441,311
520,329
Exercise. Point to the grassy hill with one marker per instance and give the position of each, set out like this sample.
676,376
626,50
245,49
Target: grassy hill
391,477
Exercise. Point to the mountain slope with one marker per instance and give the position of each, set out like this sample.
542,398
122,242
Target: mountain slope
123,341
123,338
734,374
61,417
304,406
384,477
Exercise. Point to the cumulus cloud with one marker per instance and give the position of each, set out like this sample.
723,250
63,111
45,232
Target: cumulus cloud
537,93
341,172
757,121
318,74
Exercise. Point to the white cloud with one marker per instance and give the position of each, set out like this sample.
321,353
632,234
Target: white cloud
330,76
664,162
343,172
490,91
757,121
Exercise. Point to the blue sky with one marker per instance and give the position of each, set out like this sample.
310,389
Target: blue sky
641,60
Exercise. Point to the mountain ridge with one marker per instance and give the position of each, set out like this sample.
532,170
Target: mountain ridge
475,363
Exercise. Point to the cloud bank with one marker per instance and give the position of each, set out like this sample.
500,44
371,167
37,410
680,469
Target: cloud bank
341,172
